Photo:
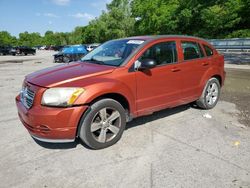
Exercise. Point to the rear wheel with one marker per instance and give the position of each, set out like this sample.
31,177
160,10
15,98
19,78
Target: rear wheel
103,125
210,94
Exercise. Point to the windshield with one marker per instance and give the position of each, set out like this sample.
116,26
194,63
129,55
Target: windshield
112,53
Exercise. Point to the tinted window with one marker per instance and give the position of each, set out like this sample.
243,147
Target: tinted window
191,50
162,53
208,50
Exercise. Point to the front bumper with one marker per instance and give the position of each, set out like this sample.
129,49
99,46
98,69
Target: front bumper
49,124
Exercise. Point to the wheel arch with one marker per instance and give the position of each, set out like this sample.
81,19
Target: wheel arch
115,96
219,78
210,73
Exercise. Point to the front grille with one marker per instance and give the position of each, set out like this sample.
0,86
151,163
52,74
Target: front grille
27,97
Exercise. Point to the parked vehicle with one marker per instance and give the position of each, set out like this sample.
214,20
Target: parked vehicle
42,47
37,47
70,53
5,50
24,50
13,51
118,81
92,46
57,48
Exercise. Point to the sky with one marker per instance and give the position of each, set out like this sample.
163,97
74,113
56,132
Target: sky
41,15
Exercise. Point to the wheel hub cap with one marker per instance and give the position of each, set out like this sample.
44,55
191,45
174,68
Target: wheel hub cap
105,125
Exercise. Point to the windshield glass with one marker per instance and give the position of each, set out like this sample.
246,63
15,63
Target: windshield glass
112,53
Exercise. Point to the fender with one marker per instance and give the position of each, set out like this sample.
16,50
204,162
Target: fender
212,71
103,86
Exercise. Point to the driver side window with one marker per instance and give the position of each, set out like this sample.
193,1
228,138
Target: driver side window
162,53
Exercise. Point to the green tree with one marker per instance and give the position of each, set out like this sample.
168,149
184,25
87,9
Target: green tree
116,22
123,18
77,36
6,38
29,39
220,19
155,17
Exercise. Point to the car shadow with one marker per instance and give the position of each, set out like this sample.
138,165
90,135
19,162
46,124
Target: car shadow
157,115
136,122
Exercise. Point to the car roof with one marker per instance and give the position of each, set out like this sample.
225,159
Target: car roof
154,37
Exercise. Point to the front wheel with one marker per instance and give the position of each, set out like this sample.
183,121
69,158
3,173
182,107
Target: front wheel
210,94
103,125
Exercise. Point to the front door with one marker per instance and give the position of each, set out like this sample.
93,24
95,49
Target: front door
159,87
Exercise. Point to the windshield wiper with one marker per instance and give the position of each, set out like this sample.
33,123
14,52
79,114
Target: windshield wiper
95,61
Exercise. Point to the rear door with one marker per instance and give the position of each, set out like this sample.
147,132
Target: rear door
194,64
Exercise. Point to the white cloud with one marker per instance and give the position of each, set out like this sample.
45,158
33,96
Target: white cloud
50,15
83,15
50,22
61,2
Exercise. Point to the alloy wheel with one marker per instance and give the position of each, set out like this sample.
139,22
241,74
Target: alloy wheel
105,125
212,93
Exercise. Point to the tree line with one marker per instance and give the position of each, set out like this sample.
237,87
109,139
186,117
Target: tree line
123,18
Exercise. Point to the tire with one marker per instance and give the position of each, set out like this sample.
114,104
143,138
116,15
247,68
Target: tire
65,59
210,94
103,124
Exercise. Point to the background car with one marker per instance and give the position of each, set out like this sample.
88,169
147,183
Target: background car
5,50
70,53
57,48
24,50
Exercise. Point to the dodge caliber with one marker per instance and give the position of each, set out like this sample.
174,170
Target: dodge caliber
93,99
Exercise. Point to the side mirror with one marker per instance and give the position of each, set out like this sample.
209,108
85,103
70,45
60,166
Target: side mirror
147,64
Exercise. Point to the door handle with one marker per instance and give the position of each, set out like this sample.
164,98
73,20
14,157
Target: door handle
175,69
205,64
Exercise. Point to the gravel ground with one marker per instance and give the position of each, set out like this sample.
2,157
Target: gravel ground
237,90
179,147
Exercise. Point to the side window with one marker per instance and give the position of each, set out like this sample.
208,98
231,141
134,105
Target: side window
191,50
208,50
162,53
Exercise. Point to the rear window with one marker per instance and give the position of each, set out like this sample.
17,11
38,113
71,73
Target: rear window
191,50
209,51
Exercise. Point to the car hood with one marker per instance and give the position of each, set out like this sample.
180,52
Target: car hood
58,75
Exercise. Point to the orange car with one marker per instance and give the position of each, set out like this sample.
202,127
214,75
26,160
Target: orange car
122,79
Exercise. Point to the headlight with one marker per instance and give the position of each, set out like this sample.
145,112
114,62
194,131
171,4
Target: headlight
61,96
